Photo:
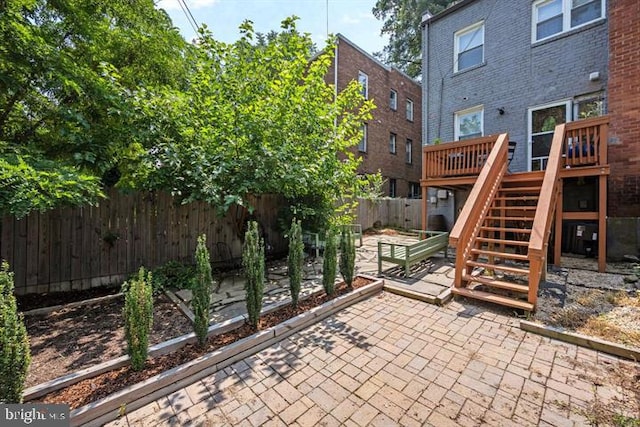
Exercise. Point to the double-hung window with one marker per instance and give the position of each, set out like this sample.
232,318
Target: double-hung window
469,47
409,151
469,123
409,110
392,142
362,145
551,17
393,100
363,79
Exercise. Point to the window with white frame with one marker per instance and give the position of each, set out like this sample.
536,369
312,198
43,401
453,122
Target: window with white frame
551,17
469,47
392,187
469,123
393,100
392,142
409,110
363,79
408,151
542,122
362,145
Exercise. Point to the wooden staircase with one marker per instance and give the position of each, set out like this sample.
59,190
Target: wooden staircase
497,268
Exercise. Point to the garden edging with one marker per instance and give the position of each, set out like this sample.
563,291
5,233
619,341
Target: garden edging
140,394
582,340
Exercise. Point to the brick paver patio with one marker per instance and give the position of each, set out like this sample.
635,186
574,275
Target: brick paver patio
391,361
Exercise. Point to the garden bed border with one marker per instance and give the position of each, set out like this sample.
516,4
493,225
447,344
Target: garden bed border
137,395
581,340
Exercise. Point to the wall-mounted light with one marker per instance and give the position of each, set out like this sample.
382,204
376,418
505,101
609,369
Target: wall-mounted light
595,76
501,111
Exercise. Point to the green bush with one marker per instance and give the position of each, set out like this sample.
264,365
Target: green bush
173,275
202,291
138,317
329,263
253,264
347,256
296,258
14,343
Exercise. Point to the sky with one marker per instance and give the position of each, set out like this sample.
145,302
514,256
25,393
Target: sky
351,18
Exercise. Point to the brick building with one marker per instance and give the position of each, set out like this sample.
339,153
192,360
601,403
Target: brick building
392,139
624,110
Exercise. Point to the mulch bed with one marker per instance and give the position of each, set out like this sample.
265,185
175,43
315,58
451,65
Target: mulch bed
98,387
50,299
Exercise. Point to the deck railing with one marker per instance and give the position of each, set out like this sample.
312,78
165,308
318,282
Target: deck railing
585,142
457,158
464,232
541,228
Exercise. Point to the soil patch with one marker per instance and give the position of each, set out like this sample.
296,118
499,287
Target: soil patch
50,299
98,387
70,339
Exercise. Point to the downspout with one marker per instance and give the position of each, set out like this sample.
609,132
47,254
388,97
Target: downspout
335,79
425,110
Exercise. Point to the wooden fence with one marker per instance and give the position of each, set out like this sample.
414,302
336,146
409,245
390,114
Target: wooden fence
80,248
393,212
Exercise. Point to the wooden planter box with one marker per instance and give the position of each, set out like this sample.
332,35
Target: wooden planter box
135,396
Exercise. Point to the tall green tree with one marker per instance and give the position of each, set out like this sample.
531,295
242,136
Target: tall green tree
401,22
257,118
66,70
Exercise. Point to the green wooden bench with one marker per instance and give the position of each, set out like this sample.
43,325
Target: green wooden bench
408,255
314,240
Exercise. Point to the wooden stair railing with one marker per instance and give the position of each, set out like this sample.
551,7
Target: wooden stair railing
465,230
541,228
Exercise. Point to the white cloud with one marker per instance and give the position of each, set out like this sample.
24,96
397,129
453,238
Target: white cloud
193,4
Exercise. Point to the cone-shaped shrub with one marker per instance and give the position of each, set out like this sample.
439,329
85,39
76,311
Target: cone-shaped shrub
14,343
296,255
329,263
347,256
201,289
138,317
253,264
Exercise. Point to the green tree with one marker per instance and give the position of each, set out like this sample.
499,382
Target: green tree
253,264
329,263
347,256
138,317
202,291
67,68
402,23
257,118
295,260
15,356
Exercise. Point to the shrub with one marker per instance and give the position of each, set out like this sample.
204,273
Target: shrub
174,275
138,317
14,343
253,264
347,256
296,258
329,263
202,291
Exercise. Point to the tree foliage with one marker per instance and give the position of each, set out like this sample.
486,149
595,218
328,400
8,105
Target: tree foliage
138,317
202,291
254,265
295,260
63,123
402,23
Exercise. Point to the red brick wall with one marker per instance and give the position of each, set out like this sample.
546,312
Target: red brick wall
624,108
385,120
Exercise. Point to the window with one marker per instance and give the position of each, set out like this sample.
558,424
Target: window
414,190
392,187
469,123
588,106
542,123
363,79
362,145
469,47
552,17
409,110
393,100
409,151
392,142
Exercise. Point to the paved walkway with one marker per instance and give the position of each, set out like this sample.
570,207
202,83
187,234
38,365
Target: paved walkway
391,361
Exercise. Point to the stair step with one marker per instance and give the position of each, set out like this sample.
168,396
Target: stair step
535,189
488,281
507,229
501,267
517,198
504,242
497,299
518,257
510,218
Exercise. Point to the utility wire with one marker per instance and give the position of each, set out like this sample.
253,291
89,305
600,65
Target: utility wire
189,15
